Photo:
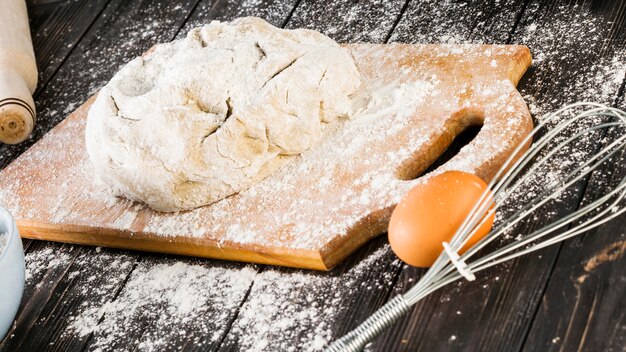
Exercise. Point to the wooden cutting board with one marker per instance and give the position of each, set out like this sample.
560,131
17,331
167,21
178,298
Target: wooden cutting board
325,203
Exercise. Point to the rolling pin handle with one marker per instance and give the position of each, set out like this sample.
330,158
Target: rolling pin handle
17,108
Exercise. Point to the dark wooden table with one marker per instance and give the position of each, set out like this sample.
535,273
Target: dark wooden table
569,297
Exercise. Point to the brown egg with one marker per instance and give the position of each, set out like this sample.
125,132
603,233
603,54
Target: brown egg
430,214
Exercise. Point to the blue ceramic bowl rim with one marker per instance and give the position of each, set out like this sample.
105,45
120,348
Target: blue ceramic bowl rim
10,230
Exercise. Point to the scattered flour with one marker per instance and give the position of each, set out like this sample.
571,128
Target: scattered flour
286,310
547,89
573,63
572,57
349,21
274,12
38,262
160,296
294,310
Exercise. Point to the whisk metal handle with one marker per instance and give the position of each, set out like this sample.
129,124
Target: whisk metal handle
383,318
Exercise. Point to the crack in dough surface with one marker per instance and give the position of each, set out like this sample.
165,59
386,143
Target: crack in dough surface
207,116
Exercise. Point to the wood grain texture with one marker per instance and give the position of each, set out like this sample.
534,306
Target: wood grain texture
60,22
471,85
276,12
348,293
350,21
566,73
578,310
95,58
497,312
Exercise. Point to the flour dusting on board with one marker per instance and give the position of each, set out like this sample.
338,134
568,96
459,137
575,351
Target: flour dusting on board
365,127
351,173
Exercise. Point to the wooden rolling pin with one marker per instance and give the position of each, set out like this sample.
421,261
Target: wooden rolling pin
18,73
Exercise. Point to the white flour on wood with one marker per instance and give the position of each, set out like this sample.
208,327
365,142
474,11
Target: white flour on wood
598,82
286,310
381,116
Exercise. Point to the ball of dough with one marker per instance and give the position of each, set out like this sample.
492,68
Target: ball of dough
201,118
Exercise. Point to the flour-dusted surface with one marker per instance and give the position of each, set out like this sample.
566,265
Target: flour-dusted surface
536,302
291,310
335,195
189,296
200,298
572,41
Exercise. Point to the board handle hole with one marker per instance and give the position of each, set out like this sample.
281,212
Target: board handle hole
465,137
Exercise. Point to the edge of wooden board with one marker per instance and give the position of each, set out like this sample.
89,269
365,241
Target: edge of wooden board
522,60
83,235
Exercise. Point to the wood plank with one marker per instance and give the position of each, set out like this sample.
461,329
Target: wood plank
352,290
350,21
275,12
167,304
582,308
56,28
453,22
124,30
224,286
290,309
62,280
495,313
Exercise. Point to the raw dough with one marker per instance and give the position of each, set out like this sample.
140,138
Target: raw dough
204,117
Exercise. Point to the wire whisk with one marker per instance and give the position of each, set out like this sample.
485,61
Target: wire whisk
560,132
